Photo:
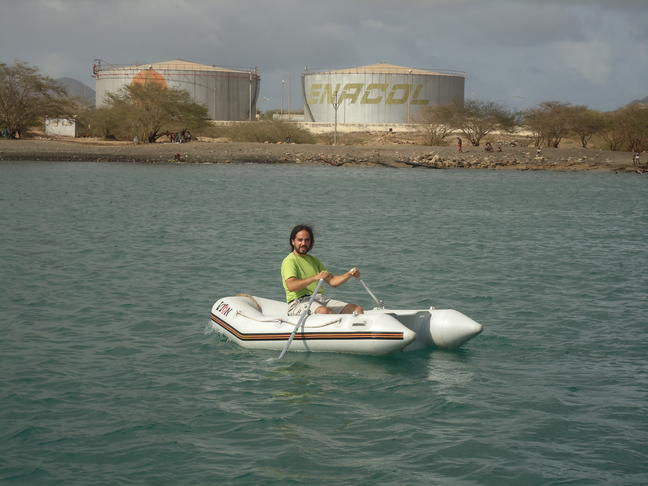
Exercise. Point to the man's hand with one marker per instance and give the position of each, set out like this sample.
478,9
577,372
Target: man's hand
323,275
354,272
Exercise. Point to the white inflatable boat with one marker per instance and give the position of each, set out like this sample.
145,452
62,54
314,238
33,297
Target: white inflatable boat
259,323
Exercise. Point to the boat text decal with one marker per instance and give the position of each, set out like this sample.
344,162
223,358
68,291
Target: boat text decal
224,308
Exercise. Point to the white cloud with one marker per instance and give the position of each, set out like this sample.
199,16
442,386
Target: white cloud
591,60
549,49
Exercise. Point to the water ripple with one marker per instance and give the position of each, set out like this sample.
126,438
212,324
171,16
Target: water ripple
112,370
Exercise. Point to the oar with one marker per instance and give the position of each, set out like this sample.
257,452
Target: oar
378,302
302,318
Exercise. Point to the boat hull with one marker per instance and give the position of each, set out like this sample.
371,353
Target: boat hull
259,323
439,328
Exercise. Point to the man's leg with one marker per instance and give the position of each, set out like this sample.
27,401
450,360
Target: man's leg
322,309
347,309
351,308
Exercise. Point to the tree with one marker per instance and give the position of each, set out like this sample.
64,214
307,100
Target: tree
612,131
634,121
438,123
476,119
627,128
549,123
99,122
585,123
148,111
27,97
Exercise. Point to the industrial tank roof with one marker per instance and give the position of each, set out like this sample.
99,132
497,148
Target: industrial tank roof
384,68
182,65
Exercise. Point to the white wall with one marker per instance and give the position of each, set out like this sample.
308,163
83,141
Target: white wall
62,127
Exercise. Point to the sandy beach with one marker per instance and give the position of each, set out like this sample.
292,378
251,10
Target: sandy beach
396,156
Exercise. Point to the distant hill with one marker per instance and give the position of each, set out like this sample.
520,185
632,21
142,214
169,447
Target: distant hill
77,89
642,101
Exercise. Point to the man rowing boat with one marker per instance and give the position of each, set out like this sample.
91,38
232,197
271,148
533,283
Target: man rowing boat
300,273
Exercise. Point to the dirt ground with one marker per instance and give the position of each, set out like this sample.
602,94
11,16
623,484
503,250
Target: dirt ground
378,152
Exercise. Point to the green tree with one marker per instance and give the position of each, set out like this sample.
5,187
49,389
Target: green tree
612,132
148,111
549,122
627,128
271,131
585,123
27,97
99,122
476,119
437,122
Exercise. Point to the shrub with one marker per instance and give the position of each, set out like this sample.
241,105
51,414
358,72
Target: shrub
476,119
437,123
147,112
627,129
549,123
261,131
27,97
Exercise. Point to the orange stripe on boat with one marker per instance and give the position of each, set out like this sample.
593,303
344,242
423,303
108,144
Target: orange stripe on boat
282,336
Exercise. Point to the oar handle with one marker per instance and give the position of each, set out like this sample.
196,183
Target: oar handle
302,318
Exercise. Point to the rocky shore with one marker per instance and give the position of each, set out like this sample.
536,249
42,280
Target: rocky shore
394,156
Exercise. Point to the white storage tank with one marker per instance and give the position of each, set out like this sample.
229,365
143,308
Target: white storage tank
378,93
228,94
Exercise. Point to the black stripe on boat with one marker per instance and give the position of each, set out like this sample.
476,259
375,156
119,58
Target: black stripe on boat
304,335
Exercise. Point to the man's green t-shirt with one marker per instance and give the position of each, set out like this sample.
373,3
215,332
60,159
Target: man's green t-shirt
300,267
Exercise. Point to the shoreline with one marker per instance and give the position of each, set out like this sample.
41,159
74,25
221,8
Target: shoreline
392,156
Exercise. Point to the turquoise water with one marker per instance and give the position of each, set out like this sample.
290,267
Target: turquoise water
112,374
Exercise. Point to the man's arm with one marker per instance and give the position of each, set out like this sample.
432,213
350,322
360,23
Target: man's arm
337,280
295,284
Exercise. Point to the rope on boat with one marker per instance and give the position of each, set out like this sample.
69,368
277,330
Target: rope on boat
284,321
254,301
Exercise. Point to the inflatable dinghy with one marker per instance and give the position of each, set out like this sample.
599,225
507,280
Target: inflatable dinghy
259,323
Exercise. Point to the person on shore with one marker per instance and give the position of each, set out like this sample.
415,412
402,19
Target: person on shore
300,273
635,159
459,144
488,147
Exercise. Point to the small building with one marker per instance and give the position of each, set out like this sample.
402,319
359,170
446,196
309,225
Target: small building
61,127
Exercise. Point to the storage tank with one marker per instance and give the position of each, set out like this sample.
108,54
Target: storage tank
228,94
378,93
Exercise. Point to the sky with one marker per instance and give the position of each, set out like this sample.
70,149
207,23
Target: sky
517,53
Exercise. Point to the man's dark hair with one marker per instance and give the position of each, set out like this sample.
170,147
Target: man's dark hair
297,229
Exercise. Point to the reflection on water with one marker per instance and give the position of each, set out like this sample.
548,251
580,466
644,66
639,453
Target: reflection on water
451,372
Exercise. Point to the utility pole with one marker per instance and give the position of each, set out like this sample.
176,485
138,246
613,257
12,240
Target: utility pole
250,98
289,94
409,95
336,104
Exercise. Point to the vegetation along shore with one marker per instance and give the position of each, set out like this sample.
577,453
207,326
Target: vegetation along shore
148,122
397,155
